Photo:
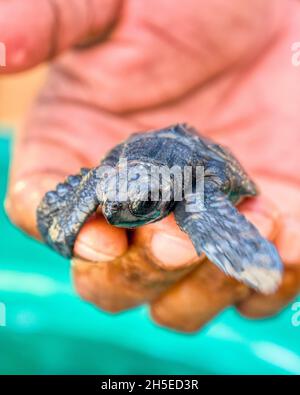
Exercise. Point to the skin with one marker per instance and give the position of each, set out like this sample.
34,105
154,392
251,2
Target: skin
238,86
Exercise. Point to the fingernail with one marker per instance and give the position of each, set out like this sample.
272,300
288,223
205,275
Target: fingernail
100,242
172,252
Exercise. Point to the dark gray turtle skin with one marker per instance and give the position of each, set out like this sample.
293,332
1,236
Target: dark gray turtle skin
227,238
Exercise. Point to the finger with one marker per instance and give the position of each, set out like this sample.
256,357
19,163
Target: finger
264,214
288,240
194,301
60,24
190,304
169,247
100,241
128,281
24,196
286,195
257,305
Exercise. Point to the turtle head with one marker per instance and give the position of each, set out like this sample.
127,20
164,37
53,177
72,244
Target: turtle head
131,214
139,199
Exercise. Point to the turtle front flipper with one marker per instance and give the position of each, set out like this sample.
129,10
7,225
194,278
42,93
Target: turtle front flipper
231,242
62,212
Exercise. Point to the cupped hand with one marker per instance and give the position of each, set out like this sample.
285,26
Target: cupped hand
123,66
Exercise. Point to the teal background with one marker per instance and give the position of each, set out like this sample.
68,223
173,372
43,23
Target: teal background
50,330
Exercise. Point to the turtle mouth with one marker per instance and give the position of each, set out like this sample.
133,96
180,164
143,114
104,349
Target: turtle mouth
127,221
127,225
116,215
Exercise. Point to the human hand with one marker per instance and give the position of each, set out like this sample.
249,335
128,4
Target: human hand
225,69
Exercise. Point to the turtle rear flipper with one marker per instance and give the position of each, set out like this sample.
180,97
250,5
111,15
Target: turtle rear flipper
231,242
62,212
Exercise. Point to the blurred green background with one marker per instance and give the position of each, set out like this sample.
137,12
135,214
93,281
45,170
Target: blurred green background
49,330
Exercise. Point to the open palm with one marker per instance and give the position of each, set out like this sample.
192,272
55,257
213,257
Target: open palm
148,64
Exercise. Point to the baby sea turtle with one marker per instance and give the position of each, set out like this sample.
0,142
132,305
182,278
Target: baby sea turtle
216,228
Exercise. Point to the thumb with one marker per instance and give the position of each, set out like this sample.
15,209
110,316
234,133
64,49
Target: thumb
34,31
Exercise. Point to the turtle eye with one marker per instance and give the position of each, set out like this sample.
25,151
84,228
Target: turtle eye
144,208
